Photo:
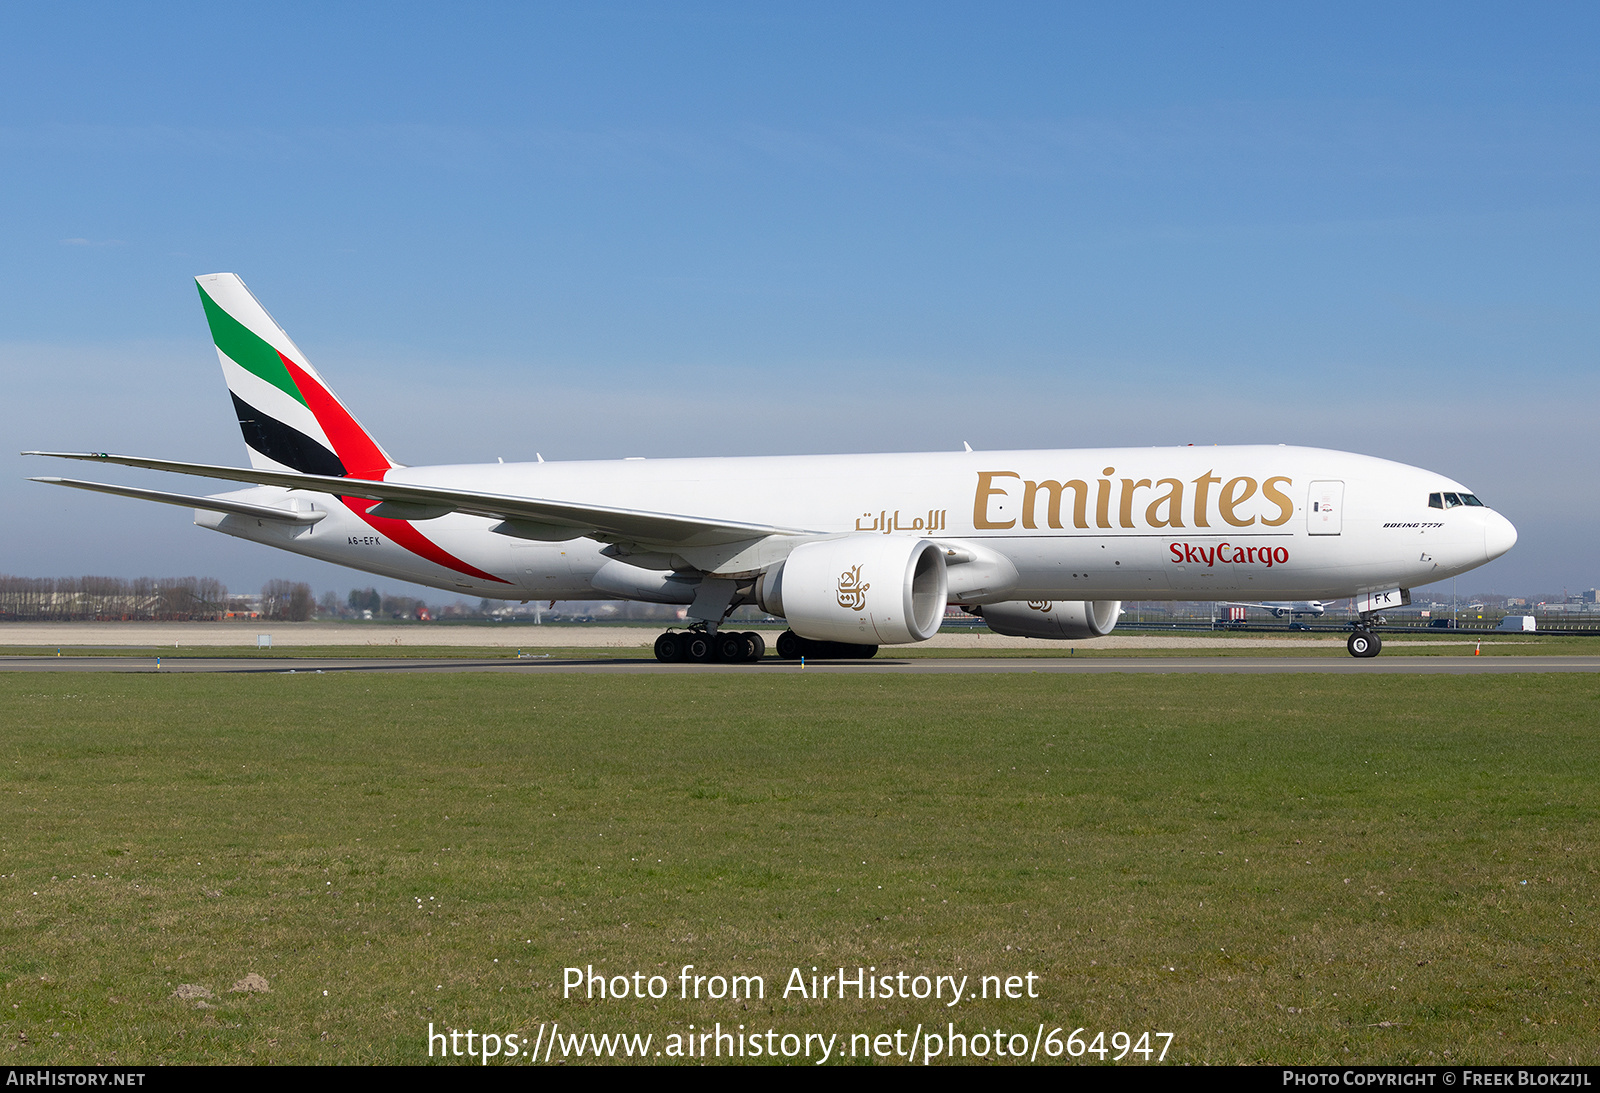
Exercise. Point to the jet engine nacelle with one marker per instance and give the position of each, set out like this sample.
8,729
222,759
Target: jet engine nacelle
1051,618
863,589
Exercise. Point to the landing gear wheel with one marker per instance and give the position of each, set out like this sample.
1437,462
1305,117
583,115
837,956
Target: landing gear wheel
696,646
668,649
792,646
758,645
732,647
1364,644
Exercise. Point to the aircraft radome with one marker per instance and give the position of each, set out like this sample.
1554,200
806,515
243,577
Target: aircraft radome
854,551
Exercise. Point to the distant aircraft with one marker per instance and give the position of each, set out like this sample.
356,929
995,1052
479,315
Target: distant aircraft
1286,609
854,551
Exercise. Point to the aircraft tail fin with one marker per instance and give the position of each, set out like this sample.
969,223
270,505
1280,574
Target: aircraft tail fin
291,419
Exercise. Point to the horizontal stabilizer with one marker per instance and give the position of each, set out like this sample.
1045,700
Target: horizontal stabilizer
210,504
598,521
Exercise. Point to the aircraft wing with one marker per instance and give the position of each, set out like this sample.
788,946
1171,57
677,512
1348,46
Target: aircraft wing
404,501
210,504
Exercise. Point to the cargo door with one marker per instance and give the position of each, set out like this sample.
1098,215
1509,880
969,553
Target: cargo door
1325,508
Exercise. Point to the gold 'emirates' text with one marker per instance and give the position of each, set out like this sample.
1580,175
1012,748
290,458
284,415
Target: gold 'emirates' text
1162,501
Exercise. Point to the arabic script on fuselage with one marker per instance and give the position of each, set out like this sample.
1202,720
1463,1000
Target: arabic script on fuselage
889,522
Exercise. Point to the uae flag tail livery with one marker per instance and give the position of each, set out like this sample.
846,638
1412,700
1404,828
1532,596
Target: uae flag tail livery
292,420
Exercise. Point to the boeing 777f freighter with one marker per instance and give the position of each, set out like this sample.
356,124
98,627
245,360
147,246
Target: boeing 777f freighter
854,551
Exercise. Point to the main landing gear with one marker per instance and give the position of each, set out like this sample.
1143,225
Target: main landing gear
725,646
732,647
705,641
792,646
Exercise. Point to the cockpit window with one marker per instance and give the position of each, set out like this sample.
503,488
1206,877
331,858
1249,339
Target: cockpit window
1469,499
1436,500
1452,500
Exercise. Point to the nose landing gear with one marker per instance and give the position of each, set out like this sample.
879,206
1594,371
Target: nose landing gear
1363,643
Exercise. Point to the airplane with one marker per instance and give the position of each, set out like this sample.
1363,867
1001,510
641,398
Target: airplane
1289,609
853,551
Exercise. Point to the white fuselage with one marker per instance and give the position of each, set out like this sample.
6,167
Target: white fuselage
1222,523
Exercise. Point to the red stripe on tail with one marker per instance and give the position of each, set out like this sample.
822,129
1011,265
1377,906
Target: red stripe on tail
362,458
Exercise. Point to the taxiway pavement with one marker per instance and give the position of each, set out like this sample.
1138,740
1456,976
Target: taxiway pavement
1382,665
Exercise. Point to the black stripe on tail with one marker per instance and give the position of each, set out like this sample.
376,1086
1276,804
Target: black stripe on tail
284,444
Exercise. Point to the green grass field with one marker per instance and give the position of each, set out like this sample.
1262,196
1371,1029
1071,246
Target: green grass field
1272,869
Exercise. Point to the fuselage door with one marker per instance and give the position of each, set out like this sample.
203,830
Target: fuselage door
1325,508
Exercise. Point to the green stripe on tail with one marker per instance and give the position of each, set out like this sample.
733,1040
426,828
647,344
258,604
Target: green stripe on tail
246,349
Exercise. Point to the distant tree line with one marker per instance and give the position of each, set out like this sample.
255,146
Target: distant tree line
290,601
65,599
187,599
363,600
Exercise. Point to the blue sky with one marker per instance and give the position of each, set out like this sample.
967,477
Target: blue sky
602,230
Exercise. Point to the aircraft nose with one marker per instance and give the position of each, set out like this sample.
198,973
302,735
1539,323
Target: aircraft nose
1499,536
